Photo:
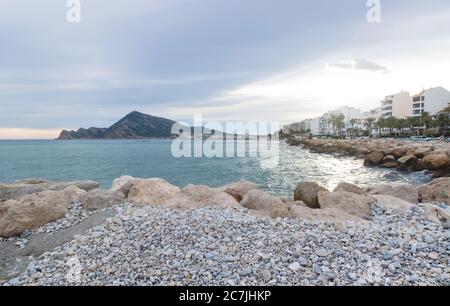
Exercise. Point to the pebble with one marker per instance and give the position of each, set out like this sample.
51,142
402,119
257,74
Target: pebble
161,246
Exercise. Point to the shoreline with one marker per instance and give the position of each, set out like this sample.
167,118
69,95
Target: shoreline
77,220
403,155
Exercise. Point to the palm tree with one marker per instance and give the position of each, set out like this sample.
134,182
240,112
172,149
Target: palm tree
391,122
413,122
369,124
443,121
381,124
426,120
337,121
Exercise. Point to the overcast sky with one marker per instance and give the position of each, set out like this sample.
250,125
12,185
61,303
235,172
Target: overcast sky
275,60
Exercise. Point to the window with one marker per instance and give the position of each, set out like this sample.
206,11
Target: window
423,104
416,105
416,99
416,112
423,98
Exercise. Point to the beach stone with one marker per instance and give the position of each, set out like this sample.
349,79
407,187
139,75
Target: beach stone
153,191
406,192
328,215
239,190
32,181
399,152
353,204
436,161
33,211
374,158
99,199
196,196
438,190
124,184
423,151
389,161
307,192
349,188
259,200
408,162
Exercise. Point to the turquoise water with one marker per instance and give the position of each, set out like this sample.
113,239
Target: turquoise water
104,160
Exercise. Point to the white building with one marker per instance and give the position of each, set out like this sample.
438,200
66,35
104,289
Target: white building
431,100
397,105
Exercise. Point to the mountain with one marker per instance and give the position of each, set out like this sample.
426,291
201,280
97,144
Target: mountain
135,125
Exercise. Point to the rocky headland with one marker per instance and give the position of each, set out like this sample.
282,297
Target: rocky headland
149,232
404,155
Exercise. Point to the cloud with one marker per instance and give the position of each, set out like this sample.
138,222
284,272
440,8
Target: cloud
360,64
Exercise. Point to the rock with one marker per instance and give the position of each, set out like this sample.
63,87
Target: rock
399,152
29,186
73,194
406,192
388,201
32,211
437,215
295,266
124,184
408,162
259,200
423,151
349,188
436,161
307,193
289,203
353,204
389,161
32,181
99,199
154,191
329,215
374,158
239,189
438,190
196,196
267,276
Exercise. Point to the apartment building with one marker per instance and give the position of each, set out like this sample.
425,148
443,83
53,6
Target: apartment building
397,105
431,100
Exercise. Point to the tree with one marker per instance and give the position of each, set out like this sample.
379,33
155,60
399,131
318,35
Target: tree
381,124
443,121
337,121
413,122
426,120
370,122
390,123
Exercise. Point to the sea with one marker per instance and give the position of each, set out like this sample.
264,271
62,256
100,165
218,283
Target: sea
104,160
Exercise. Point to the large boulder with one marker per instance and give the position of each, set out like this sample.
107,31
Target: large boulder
388,201
406,192
99,199
399,152
423,151
436,161
438,215
307,192
239,189
124,184
154,191
349,188
197,196
408,162
329,215
29,186
33,211
352,203
374,158
389,161
436,191
259,200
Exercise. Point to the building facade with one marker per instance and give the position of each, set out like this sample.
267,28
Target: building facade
397,105
431,100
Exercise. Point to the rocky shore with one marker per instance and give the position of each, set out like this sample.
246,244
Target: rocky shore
149,232
401,154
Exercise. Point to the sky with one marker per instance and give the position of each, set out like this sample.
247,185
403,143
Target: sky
228,60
